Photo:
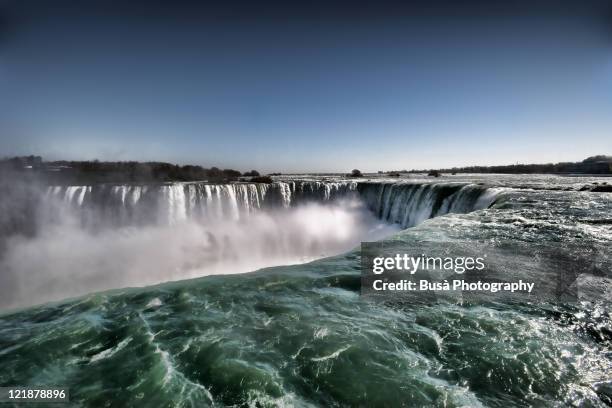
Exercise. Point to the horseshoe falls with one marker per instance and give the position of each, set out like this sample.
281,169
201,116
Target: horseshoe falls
248,294
407,204
136,235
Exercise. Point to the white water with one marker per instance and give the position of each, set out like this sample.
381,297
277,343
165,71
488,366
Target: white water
66,260
409,204
93,238
174,203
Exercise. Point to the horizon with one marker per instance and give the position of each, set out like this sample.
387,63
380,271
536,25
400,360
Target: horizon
241,169
321,87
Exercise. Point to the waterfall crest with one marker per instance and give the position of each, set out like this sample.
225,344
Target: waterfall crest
404,203
177,202
409,204
99,237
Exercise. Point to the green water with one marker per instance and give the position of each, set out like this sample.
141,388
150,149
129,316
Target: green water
302,335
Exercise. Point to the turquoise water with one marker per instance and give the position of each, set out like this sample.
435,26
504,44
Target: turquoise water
303,336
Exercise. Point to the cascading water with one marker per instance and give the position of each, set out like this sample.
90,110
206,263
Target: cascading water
174,203
288,336
407,204
135,235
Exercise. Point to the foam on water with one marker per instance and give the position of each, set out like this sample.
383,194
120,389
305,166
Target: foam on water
93,238
301,335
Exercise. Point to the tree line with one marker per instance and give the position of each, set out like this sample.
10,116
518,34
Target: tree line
592,165
64,171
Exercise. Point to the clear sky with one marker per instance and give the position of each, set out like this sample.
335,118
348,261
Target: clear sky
307,86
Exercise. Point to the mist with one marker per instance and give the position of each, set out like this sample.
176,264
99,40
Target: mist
66,259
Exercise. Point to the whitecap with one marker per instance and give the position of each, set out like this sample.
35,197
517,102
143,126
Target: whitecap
335,354
111,351
155,302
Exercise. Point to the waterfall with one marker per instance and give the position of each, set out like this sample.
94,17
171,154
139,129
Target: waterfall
134,234
409,204
403,203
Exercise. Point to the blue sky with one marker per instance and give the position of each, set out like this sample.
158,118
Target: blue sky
297,91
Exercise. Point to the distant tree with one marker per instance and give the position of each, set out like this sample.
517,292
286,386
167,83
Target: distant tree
116,172
34,161
355,173
16,163
434,173
231,174
190,172
598,158
262,179
252,173
214,173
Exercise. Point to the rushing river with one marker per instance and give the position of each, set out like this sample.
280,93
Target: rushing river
301,334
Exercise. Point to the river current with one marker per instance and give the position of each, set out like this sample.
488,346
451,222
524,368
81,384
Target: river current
298,332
